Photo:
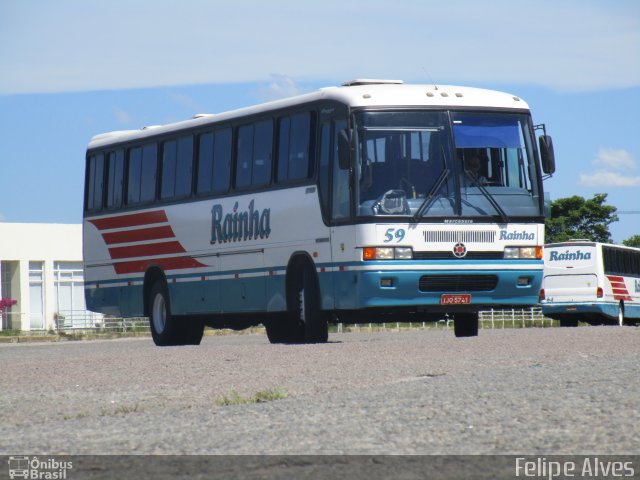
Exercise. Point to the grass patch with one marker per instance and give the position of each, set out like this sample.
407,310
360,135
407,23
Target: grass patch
262,396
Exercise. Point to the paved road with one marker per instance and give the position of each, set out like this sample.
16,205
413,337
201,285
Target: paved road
533,391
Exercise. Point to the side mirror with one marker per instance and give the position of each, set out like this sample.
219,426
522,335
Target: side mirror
344,149
546,154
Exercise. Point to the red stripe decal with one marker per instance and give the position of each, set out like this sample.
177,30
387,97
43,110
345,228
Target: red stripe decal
131,220
146,250
171,263
142,234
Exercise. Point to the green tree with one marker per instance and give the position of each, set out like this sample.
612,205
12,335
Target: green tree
632,241
574,217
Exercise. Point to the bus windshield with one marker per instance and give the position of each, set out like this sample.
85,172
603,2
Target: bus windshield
406,166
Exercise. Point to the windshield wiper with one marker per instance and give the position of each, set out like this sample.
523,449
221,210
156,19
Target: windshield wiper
432,193
488,196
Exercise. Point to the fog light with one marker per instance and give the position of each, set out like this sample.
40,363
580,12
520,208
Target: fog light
524,281
404,253
384,253
386,282
511,252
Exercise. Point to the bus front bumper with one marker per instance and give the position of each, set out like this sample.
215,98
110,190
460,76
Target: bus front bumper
434,289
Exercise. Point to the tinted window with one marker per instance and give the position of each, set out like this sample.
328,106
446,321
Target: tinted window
143,164
177,161
205,163
262,148
294,145
95,181
214,162
253,166
115,184
244,162
222,161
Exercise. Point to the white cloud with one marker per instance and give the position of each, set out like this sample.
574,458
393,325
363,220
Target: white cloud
604,178
280,86
150,43
122,116
614,158
617,168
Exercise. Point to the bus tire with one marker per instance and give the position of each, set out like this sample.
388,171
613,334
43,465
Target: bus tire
621,314
167,329
465,325
308,323
568,322
279,330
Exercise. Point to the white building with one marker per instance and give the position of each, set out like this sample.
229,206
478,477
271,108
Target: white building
41,269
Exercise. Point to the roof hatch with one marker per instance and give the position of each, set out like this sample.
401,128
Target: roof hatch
371,81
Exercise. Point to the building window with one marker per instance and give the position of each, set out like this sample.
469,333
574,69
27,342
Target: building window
9,291
69,288
36,295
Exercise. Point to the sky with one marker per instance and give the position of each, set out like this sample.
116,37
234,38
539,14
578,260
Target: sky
70,69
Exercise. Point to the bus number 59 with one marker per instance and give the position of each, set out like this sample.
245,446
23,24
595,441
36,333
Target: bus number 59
394,233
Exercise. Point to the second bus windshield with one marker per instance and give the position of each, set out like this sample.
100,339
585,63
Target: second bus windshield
406,166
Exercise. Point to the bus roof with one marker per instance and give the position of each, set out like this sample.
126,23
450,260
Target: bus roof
356,93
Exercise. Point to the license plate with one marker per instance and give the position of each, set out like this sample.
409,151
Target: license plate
455,299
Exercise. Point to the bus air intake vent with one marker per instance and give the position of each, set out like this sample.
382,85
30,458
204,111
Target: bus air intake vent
457,283
453,236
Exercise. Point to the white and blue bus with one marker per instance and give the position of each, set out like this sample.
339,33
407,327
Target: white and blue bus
370,201
591,282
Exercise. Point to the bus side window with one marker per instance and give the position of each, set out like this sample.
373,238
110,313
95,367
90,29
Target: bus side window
95,182
222,160
141,174
115,177
262,153
294,146
177,161
255,143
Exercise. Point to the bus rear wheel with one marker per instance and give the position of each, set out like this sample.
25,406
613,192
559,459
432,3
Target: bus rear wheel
167,329
465,324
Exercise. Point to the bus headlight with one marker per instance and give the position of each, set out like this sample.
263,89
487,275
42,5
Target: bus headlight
387,253
526,253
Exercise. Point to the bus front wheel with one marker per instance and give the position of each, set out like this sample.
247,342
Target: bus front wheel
304,322
465,325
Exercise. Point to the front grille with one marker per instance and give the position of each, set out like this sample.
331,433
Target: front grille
448,255
457,283
455,236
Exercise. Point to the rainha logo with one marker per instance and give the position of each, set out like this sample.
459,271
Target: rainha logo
567,255
239,226
523,235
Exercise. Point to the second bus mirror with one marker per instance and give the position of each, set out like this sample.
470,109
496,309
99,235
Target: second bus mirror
546,154
344,149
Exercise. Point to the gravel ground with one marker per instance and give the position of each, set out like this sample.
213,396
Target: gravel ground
533,391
